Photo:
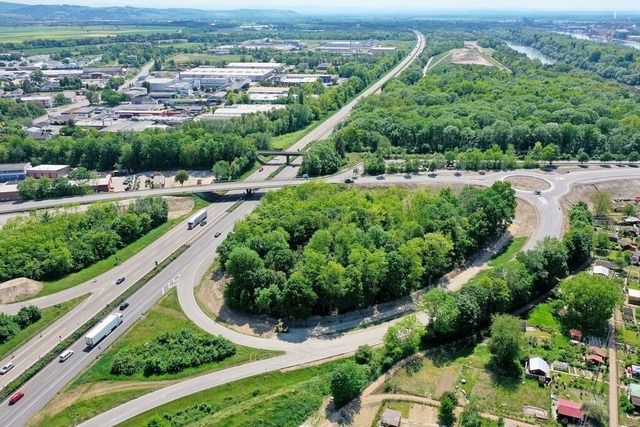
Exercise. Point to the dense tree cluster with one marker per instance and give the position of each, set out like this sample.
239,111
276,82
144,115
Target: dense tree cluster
11,110
47,246
11,325
171,353
608,60
318,248
506,345
470,107
530,274
47,188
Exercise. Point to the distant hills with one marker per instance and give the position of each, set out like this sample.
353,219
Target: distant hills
12,12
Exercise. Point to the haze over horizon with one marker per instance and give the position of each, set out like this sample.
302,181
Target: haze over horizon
367,5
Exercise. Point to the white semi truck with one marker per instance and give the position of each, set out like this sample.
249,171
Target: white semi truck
197,218
103,329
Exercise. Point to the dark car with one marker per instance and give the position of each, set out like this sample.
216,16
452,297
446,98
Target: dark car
120,280
537,192
348,181
379,177
217,234
19,395
124,305
203,223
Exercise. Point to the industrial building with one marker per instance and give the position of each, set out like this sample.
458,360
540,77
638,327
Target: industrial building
13,171
256,65
200,73
379,50
262,94
298,79
45,101
49,171
238,110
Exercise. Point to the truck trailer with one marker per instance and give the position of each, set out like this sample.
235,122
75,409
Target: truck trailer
197,219
103,329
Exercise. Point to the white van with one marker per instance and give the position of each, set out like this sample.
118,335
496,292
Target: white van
67,354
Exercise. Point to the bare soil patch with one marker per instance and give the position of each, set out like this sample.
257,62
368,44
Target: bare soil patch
526,220
469,56
528,183
422,415
18,289
179,206
445,384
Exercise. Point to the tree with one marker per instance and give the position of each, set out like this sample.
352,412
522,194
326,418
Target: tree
583,157
440,307
60,100
506,344
448,404
347,382
403,338
181,176
629,210
112,98
550,153
27,316
579,244
8,328
601,202
364,354
37,77
586,301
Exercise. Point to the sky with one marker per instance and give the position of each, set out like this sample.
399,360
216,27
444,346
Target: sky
398,5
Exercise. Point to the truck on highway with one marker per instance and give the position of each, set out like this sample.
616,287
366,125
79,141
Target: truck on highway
103,329
197,219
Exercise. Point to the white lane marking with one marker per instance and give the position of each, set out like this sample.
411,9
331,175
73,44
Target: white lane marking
543,200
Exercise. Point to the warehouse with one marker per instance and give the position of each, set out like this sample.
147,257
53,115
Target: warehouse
238,110
49,171
13,171
256,65
255,74
262,94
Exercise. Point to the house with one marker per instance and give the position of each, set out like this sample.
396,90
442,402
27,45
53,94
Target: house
593,359
634,394
635,371
631,220
560,366
575,336
603,271
324,66
613,237
628,245
607,264
600,352
633,296
537,368
569,411
9,192
13,171
390,418
49,171
635,257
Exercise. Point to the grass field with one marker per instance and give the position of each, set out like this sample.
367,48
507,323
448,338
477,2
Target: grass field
19,34
165,316
122,255
509,252
49,315
282,399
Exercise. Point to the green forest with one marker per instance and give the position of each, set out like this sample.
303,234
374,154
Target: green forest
320,248
48,246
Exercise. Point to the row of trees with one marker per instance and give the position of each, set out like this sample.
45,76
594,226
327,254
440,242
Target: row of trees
530,274
318,248
11,325
171,353
47,246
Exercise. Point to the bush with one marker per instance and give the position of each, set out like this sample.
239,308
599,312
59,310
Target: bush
347,382
171,353
363,355
11,325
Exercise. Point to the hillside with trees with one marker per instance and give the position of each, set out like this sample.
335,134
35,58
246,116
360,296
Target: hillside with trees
321,249
47,246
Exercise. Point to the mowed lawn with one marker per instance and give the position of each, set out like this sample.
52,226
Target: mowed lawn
20,34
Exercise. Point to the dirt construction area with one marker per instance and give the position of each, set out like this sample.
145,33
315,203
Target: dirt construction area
469,56
528,183
18,289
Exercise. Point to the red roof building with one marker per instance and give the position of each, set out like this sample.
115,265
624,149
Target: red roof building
599,351
575,335
594,358
569,409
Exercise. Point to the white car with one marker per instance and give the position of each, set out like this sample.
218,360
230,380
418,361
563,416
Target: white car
6,368
67,354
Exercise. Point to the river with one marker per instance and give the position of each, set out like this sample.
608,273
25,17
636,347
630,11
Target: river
532,53
583,36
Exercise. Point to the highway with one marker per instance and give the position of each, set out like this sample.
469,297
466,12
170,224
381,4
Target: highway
104,289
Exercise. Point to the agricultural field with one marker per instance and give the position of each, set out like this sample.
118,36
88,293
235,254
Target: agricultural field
21,34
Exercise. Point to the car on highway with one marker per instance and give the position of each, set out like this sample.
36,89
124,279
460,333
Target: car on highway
124,306
203,223
17,396
120,280
348,181
64,356
6,368
217,234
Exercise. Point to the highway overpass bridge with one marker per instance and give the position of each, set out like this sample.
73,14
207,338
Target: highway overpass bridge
287,154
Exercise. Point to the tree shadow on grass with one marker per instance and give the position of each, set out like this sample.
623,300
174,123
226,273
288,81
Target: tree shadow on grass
344,415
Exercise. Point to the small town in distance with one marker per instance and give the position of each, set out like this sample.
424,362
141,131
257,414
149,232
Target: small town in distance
319,215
